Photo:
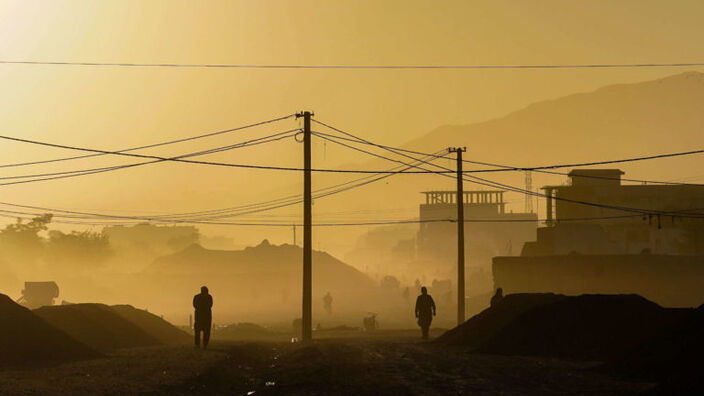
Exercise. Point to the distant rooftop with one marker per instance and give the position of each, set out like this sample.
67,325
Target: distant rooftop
597,172
474,197
596,177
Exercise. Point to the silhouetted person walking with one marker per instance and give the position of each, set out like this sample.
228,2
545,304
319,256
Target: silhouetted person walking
203,304
327,303
425,310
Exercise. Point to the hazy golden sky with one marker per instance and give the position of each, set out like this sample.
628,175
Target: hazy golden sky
113,108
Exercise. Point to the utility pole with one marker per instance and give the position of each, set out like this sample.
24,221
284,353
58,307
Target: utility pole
294,235
529,187
307,312
460,234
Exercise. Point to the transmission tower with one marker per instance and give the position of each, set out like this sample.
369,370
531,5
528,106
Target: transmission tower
528,197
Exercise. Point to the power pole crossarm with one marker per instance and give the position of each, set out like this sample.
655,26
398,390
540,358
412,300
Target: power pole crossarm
460,235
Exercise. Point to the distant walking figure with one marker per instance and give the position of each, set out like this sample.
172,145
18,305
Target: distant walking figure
425,310
327,303
203,304
497,297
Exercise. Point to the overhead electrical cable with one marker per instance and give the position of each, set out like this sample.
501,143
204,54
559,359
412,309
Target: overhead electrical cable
67,174
356,67
248,143
275,204
514,168
504,168
358,223
174,159
486,182
174,141
290,200
587,176
286,201
494,184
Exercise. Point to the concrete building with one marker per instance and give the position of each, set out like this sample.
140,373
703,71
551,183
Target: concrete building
602,236
614,225
489,229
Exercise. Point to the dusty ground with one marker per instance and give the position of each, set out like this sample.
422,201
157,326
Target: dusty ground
389,363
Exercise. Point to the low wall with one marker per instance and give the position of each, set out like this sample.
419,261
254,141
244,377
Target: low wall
671,281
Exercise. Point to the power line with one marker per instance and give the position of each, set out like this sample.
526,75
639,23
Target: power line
288,200
358,67
246,166
504,168
542,169
485,182
514,168
83,172
295,199
326,138
342,224
515,189
356,139
224,213
210,134
59,221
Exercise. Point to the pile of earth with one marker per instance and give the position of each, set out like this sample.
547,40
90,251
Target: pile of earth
673,358
155,326
100,326
242,331
481,327
587,327
28,339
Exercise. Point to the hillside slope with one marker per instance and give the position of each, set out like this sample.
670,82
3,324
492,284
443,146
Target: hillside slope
256,281
613,122
662,115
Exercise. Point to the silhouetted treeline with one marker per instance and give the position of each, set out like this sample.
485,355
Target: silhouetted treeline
21,244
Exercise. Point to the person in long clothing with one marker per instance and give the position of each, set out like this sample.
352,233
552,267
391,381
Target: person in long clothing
425,310
203,304
327,303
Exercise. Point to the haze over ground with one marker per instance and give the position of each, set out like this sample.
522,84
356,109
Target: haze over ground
106,255
113,108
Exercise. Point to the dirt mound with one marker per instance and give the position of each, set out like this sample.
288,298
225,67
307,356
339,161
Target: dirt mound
242,331
97,326
28,339
487,323
593,327
590,327
672,357
153,325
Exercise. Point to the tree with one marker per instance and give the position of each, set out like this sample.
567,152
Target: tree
21,243
78,248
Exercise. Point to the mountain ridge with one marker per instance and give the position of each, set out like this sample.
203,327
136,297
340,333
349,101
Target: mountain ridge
605,90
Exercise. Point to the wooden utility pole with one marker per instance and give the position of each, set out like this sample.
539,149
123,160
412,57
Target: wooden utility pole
307,313
460,235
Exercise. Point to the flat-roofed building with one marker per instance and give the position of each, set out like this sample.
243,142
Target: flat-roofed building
489,229
596,214
602,236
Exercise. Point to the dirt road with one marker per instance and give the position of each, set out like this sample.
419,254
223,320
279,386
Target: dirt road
387,364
